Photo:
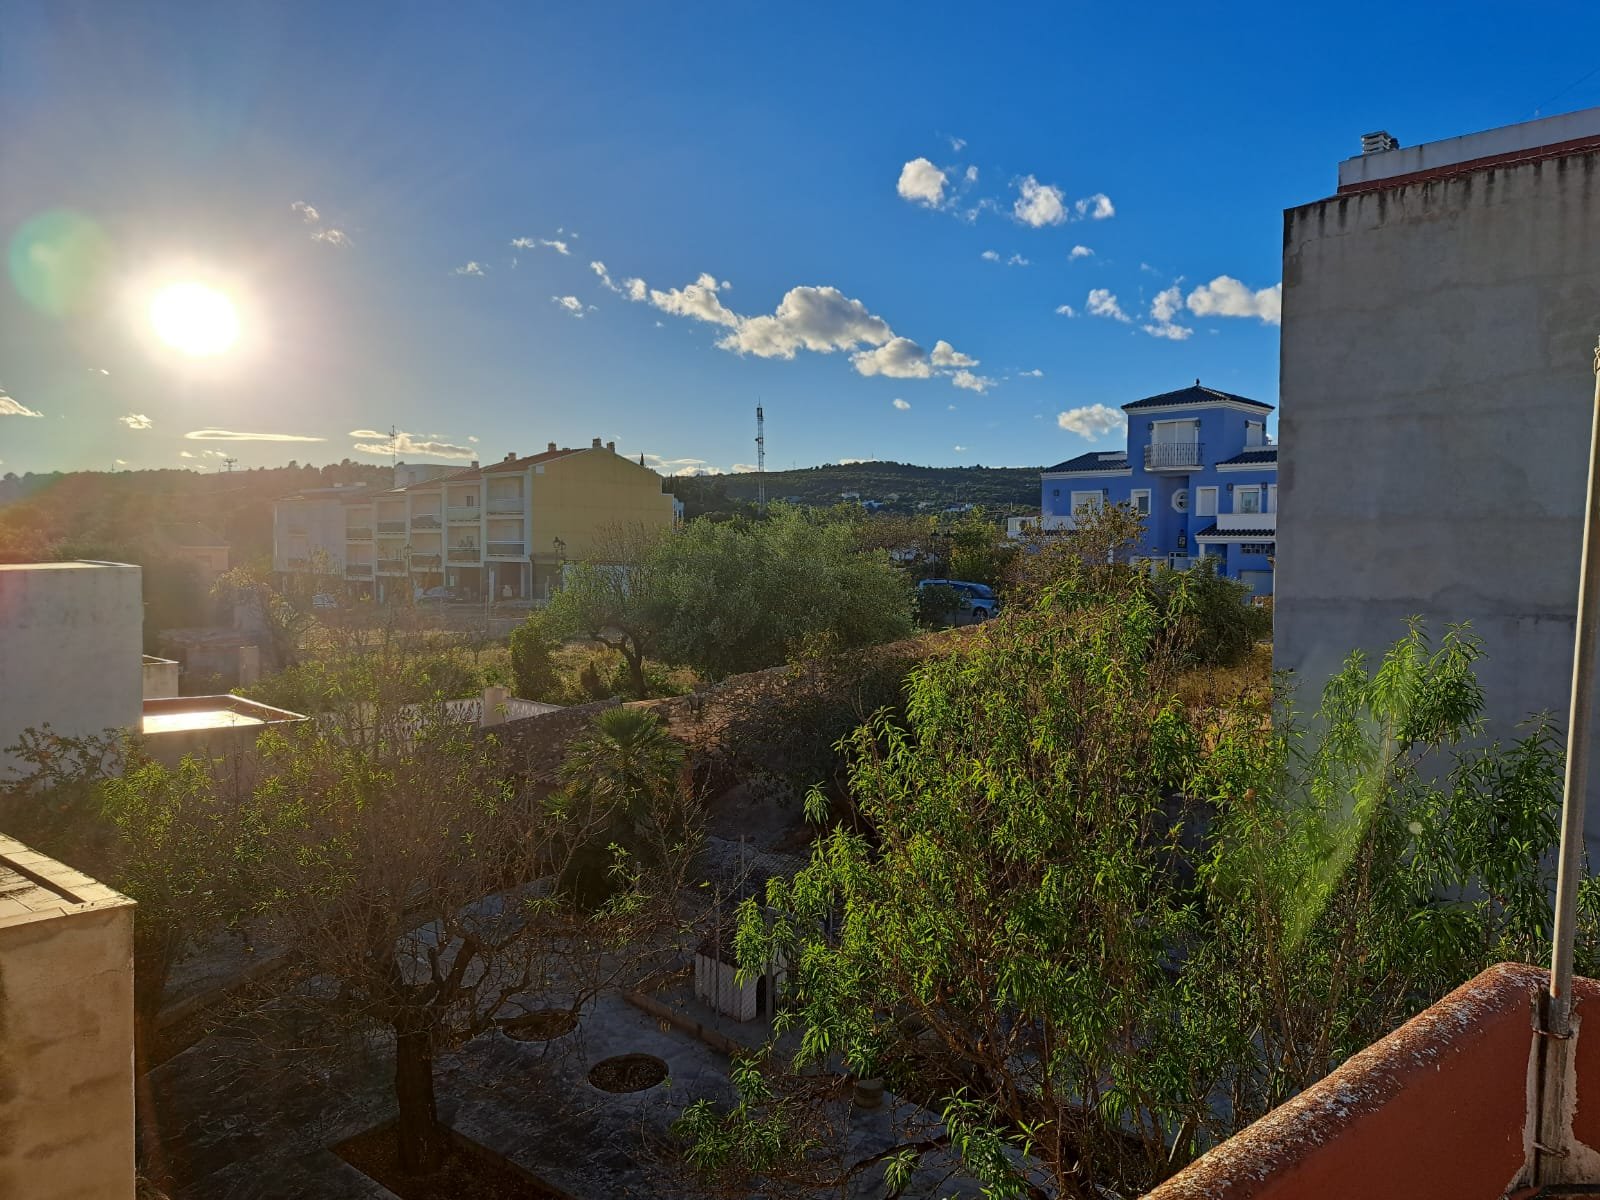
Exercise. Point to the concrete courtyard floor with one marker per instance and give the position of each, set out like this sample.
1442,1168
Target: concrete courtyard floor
244,1121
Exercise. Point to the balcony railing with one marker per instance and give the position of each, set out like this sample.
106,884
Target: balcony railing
424,522
505,504
507,549
391,566
424,562
358,569
463,554
1171,456
1247,520
462,512
391,526
357,535
297,564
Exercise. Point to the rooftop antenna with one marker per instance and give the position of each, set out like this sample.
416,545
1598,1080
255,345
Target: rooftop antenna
227,464
761,460
394,446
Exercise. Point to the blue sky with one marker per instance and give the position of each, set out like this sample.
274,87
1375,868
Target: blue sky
337,169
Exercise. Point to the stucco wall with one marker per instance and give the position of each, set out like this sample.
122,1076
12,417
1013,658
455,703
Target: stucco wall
66,1048
577,496
1436,393
70,649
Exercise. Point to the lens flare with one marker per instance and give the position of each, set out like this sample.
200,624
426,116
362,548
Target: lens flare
194,319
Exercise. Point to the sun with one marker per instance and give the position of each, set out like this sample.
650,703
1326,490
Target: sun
193,318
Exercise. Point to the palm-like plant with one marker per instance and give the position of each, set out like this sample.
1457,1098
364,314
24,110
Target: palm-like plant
624,763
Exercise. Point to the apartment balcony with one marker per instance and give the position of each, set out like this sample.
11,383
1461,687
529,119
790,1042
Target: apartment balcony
459,514
296,564
425,522
1173,456
358,535
462,554
1247,520
425,562
506,504
357,570
507,549
391,566
391,526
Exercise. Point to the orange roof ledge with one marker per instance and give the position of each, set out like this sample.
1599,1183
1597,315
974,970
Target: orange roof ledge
1439,1107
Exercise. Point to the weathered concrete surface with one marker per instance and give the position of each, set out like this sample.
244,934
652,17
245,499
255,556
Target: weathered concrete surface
1436,397
66,1032
71,636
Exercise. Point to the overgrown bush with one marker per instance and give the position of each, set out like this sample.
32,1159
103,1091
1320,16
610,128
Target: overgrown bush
534,673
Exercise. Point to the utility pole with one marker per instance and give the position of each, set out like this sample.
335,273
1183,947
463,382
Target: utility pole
761,461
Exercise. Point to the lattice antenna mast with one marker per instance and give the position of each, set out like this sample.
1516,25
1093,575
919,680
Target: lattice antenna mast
228,464
394,447
761,461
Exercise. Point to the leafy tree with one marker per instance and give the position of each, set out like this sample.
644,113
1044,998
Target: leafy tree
743,595
616,600
1101,933
533,668
978,549
284,621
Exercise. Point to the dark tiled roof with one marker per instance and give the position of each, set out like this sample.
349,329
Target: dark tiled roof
1194,395
1095,460
518,464
1261,534
451,477
1267,454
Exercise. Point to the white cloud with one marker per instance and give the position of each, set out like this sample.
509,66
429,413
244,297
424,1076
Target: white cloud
921,183
1039,204
949,408
310,216
571,304
956,144
1066,310
898,358
1016,260
820,319
1093,421
15,408
679,466
528,243
745,468
229,435
1080,252
471,268
1096,207
1103,303
845,462
946,355
973,383
307,214
959,449
1176,333
902,405
1225,296
990,256
471,438
332,237
135,420
408,444
184,454
1033,374
122,462
599,268
698,300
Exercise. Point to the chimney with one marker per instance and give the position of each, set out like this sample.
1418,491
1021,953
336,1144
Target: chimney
550,448
474,464
595,445
611,446
493,710
511,456
1377,143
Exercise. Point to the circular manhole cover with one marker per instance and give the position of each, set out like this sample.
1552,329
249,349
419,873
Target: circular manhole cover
628,1073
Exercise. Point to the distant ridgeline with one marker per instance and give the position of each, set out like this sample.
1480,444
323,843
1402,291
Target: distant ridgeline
896,487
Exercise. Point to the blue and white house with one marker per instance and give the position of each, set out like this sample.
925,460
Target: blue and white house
1199,466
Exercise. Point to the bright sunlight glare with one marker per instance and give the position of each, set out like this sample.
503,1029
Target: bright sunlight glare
193,318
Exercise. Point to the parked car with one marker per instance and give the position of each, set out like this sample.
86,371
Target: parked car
978,601
324,600
436,595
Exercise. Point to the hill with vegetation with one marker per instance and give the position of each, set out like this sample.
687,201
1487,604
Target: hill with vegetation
897,487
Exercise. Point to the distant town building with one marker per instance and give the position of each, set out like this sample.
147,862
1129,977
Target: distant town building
1439,321
503,531
203,548
1201,469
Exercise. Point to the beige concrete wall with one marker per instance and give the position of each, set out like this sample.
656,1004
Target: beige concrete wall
1437,379
576,497
161,678
66,1050
71,649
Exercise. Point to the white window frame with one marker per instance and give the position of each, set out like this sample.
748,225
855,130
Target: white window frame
1094,500
1205,501
1272,497
1239,494
1133,499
